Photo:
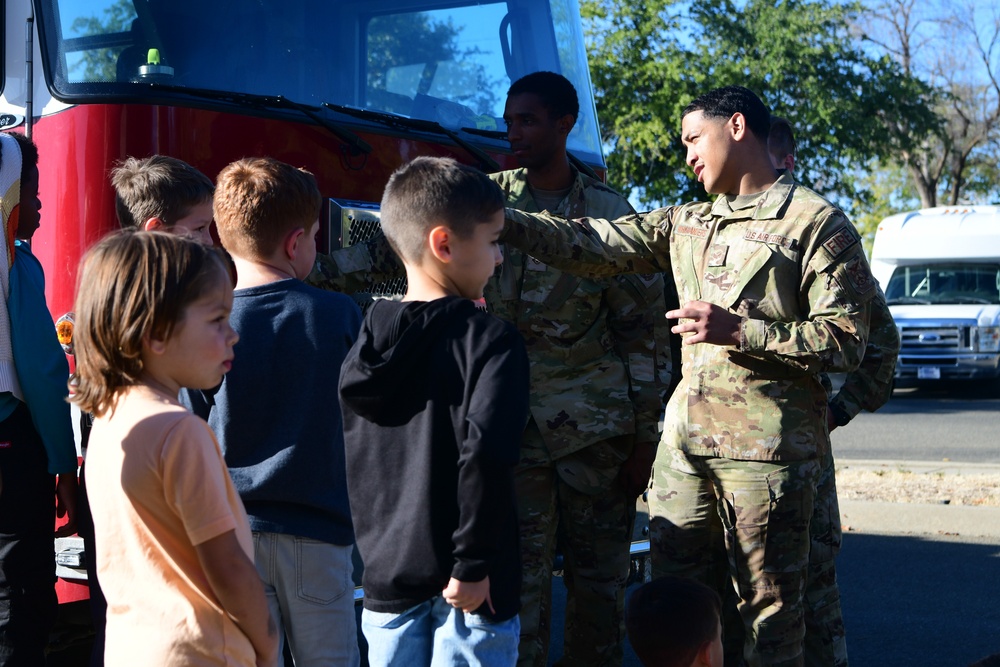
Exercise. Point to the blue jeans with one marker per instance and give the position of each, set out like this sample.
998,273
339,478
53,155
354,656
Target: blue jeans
436,634
310,595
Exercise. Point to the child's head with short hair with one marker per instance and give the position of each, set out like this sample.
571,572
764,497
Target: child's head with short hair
163,193
261,205
439,213
675,622
134,288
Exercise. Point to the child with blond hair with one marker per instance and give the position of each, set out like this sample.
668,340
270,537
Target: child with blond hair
280,431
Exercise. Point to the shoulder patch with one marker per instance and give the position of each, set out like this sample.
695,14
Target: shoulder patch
859,275
841,240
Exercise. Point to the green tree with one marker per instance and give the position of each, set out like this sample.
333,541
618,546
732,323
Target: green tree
99,64
650,58
954,47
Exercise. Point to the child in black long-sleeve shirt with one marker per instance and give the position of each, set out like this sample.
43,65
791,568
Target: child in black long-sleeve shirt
435,397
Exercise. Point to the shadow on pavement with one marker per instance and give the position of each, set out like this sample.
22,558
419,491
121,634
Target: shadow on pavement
919,600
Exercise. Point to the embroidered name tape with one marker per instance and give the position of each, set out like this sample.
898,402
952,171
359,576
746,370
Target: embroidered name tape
773,239
690,230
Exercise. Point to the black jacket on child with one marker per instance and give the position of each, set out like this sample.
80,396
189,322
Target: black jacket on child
435,399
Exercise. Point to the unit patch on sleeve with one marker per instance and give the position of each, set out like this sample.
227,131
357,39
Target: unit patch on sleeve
859,275
840,241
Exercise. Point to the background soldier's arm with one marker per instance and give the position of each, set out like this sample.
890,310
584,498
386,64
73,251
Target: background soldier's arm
870,385
637,323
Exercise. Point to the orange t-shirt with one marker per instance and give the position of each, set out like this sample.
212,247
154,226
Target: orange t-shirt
158,485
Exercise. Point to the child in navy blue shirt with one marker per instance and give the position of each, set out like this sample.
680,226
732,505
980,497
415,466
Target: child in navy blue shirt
278,425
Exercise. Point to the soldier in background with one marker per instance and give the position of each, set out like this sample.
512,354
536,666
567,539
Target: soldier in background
596,391
866,388
776,290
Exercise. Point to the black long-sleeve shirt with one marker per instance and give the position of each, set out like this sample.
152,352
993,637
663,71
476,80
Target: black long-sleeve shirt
435,398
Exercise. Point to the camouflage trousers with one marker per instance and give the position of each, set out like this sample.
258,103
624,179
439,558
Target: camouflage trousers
761,512
579,503
826,642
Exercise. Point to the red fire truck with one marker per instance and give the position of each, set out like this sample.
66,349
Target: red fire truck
349,89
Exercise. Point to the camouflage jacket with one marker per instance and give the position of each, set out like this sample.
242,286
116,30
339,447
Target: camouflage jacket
869,386
591,342
792,266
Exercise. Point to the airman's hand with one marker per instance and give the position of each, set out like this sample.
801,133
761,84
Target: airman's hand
705,322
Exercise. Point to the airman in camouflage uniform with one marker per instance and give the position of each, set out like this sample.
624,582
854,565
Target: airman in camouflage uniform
868,387
594,395
776,290
595,391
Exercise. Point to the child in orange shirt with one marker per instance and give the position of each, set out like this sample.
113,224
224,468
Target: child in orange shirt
175,553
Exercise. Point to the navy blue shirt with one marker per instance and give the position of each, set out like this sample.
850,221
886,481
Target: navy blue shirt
276,413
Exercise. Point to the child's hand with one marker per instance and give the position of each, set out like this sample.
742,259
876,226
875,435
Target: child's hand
468,595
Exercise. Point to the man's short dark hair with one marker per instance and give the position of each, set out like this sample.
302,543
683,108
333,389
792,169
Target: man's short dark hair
781,139
669,619
554,90
728,100
431,191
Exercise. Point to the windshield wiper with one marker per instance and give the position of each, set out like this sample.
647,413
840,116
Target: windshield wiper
486,163
500,134
255,101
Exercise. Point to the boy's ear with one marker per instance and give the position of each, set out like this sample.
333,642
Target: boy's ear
292,241
439,239
153,224
704,658
154,345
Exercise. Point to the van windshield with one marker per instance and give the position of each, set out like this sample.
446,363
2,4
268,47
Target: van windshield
443,61
942,283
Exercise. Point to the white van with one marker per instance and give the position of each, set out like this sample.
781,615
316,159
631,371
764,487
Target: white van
940,270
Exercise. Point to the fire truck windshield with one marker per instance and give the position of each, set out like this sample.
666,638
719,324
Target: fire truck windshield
445,62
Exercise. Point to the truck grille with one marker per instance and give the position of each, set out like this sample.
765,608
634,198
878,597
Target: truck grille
934,339
352,222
